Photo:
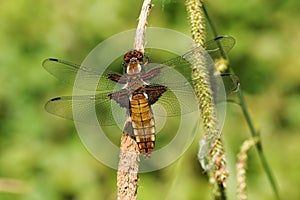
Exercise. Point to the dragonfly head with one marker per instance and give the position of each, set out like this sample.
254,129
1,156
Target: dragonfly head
133,55
133,61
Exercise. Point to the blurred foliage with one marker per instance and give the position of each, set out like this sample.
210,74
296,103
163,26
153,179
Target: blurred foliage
45,152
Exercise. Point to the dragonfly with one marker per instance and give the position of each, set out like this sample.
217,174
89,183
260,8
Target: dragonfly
136,91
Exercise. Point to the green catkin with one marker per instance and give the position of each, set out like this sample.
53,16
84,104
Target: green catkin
211,153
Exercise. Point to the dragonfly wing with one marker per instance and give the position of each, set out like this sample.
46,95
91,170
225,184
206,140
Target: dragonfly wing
175,103
231,83
90,109
179,98
182,99
60,106
168,73
213,46
87,78
182,64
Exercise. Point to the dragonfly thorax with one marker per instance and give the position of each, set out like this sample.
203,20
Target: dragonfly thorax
133,67
134,83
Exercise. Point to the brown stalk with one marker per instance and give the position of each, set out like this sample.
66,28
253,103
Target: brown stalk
128,168
127,176
141,28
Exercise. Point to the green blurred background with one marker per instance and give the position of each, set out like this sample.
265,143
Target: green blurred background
42,155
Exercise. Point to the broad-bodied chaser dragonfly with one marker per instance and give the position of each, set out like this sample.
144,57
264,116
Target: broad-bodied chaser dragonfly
141,88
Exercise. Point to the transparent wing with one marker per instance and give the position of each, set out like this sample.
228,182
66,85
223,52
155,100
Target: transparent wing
90,78
182,64
176,75
231,83
89,109
175,103
213,46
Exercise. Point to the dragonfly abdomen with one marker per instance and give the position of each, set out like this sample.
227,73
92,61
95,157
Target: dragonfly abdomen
143,126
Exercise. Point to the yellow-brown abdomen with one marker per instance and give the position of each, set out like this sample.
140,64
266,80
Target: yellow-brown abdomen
143,126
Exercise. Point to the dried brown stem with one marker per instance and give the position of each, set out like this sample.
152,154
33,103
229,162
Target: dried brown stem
141,28
128,168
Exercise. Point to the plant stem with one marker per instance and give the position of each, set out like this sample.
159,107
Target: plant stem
258,145
141,28
127,176
243,106
214,31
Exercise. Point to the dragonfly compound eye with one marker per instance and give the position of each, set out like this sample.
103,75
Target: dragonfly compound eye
133,54
139,56
127,57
